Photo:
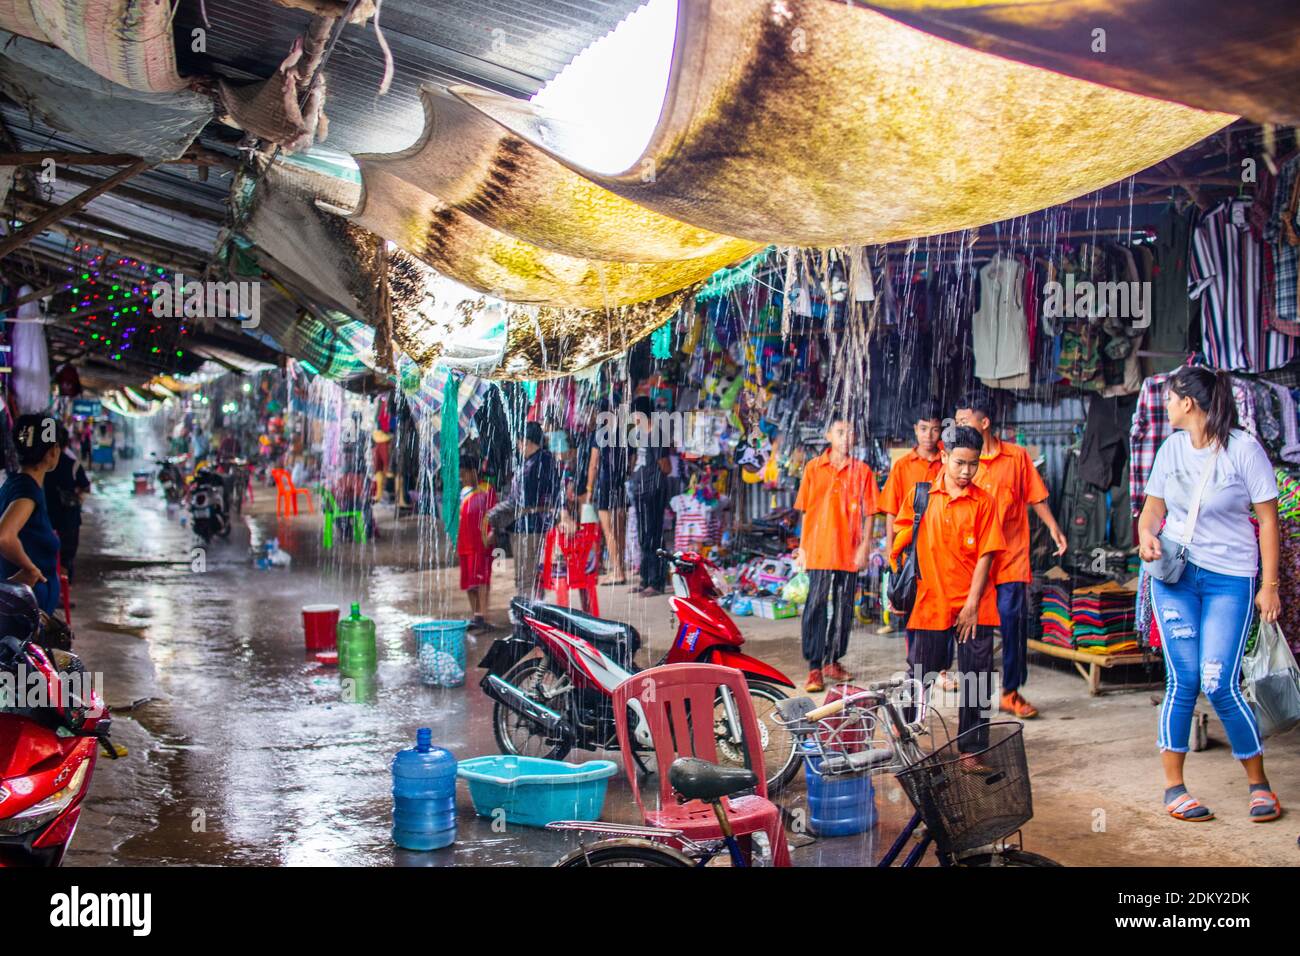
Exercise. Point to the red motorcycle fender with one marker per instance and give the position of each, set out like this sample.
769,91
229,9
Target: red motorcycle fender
751,667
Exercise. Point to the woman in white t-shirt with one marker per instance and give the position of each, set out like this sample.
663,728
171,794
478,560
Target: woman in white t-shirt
1205,617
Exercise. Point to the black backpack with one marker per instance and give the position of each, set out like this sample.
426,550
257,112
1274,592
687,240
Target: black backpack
902,586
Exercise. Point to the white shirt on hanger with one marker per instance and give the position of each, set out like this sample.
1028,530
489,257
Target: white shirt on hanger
1000,327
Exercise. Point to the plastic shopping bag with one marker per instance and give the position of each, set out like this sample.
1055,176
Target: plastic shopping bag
1272,682
796,589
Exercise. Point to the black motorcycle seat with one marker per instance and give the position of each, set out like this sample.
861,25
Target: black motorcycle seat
615,639
697,779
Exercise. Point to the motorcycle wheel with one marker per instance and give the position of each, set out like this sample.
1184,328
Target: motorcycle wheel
1008,857
780,756
516,734
620,853
646,761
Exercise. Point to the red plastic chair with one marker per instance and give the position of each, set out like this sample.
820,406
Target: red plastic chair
576,550
678,701
65,590
286,495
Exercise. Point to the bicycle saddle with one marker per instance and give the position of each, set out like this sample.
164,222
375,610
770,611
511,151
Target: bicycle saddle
697,779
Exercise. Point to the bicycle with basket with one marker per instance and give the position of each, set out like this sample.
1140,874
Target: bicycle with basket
968,805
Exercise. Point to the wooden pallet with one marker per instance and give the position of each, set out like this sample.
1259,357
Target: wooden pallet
1095,662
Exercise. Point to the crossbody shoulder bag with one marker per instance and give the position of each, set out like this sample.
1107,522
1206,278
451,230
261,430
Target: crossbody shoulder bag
903,586
1173,554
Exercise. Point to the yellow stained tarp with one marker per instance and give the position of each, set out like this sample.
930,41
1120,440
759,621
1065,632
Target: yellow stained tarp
474,166
814,123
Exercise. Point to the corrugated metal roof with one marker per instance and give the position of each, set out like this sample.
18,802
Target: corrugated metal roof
171,181
512,46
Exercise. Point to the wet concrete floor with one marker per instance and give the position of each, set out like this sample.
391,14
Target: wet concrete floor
242,750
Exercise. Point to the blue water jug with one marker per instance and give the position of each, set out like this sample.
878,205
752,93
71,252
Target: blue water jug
838,804
424,795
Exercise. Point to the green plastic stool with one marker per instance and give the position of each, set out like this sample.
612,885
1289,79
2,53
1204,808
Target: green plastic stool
330,509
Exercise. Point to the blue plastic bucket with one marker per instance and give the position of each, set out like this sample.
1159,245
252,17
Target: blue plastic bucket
838,804
440,649
533,791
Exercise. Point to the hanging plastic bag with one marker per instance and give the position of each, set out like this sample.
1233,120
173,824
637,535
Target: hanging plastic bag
1272,682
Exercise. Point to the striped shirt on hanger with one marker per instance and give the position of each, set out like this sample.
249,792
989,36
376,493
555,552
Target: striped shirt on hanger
1226,274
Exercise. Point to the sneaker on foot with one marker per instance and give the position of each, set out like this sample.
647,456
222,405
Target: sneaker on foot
815,683
1014,703
834,672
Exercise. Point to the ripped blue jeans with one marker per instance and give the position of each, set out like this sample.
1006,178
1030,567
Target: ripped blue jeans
1204,620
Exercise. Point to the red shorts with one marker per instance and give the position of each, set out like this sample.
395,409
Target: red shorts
475,569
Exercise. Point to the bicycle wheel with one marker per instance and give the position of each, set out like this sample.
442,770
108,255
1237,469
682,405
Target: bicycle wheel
641,853
1007,857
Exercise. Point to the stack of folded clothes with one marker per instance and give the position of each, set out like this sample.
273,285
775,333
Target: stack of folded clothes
1104,619
1057,626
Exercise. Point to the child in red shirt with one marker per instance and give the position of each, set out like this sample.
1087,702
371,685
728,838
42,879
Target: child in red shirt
474,540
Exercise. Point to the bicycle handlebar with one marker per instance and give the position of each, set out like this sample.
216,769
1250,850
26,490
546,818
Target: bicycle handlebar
837,706
826,710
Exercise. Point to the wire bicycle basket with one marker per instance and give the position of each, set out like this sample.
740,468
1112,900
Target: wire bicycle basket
974,797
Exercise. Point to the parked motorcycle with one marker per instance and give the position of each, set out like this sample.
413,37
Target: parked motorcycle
238,476
547,703
52,724
171,478
209,515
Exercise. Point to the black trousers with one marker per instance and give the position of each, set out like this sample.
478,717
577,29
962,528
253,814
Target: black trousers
69,540
650,535
929,652
828,616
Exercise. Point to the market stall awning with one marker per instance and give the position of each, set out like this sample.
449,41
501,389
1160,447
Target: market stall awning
1238,57
814,123
125,41
106,116
466,162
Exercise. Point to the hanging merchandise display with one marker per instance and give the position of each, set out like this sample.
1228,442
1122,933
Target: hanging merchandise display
1227,274
29,357
449,448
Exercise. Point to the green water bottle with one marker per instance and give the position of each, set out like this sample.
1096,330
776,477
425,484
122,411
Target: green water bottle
356,645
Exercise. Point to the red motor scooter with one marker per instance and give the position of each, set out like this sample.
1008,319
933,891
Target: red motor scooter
547,704
52,723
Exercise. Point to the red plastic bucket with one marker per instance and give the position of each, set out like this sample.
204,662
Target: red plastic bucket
320,624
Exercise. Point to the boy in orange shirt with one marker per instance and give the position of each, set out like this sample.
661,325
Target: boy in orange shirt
1007,473
921,464
960,533
837,496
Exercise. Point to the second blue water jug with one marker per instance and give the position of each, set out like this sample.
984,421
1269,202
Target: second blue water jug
839,804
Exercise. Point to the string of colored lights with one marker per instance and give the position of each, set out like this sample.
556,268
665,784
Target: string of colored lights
112,307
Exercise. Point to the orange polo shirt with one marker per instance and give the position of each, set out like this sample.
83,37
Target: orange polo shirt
1014,482
835,502
903,476
956,531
